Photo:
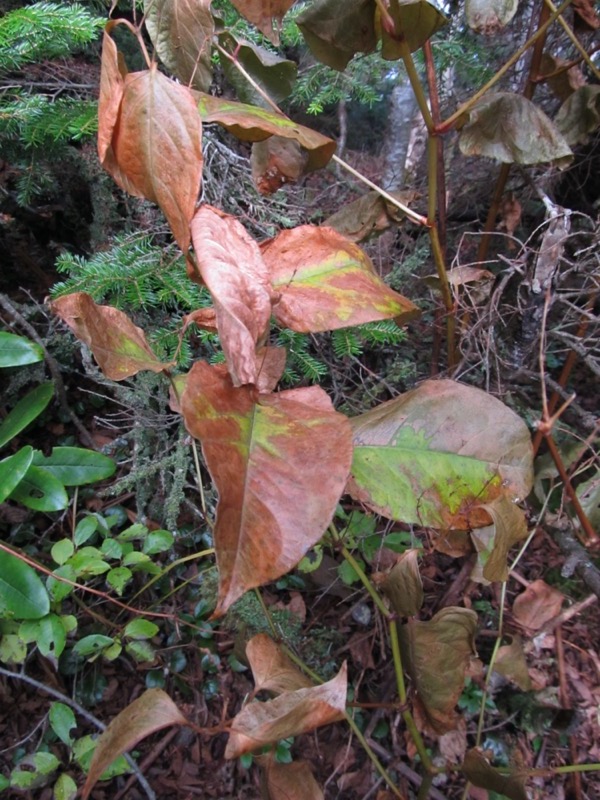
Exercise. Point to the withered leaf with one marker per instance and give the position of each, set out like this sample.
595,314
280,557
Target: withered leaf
151,712
479,771
181,32
232,268
537,605
579,115
369,214
336,31
112,84
276,76
275,162
509,527
156,148
510,662
253,124
293,781
119,346
415,21
511,129
326,282
490,16
272,670
404,586
561,80
290,714
263,13
433,455
437,654
271,509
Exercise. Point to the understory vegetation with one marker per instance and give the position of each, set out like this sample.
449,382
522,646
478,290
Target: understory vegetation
299,351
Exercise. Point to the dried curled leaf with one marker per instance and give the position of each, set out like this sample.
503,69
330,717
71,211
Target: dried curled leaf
272,670
276,76
151,712
326,282
119,346
490,16
336,31
579,115
275,162
513,130
493,542
437,654
263,13
538,604
404,586
479,771
415,21
271,509
293,781
290,714
181,32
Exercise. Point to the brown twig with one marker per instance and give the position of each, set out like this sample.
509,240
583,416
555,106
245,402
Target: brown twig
587,571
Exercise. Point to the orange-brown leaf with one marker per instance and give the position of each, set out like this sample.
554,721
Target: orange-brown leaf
151,712
272,670
232,268
290,714
156,148
293,781
538,604
275,162
279,461
327,282
112,84
263,13
119,346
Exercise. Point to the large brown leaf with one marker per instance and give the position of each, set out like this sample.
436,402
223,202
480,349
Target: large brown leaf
272,670
181,32
490,16
480,772
336,31
293,781
434,455
112,83
511,129
415,21
437,654
232,268
579,115
326,282
276,76
156,148
279,462
263,13
254,124
151,712
290,714
275,162
119,346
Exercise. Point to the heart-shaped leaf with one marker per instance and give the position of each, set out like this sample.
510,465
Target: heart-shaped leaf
181,32
272,670
151,712
232,268
155,150
511,129
326,282
415,21
119,346
437,654
272,509
254,124
490,16
263,13
290,714
336,31
434,455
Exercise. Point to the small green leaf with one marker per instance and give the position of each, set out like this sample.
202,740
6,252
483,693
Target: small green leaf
41,491
347,572
13,650
158,542
88,561
86,528
62,551
118,578
16,351
65,788
48,633
141,651
26,410
13,469
111,548
76,466
4,782
83,750
92,645
135,531
22,594
112,652
59,589
140,629
33,771
62,722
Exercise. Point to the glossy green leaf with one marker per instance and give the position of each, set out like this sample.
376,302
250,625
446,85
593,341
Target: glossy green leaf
436,454
415,21
326,282
181,32
41,491
16,351
61,551
84,530
511,129
25,411
252,124
13,469
92,645
579,115
62,721
336,31
22,593
158,542
275,75
140,629
437,655
48,633
75,466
